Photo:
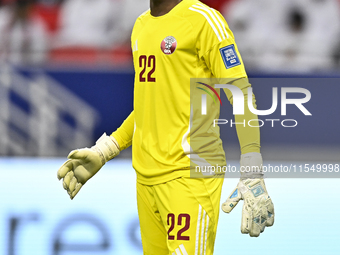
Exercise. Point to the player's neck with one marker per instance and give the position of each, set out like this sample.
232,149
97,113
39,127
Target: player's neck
161,7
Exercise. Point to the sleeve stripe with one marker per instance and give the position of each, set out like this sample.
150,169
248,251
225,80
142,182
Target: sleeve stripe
213,15
221,21
210,22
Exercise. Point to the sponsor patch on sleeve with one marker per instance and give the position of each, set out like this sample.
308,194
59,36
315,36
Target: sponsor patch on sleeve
229,56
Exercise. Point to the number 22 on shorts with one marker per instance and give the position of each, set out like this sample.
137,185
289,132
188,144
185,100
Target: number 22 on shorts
183,220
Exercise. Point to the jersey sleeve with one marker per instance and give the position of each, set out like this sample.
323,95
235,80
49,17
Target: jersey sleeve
216,44
217,47
248,136
124,133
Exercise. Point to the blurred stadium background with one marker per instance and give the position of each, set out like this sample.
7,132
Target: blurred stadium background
66,76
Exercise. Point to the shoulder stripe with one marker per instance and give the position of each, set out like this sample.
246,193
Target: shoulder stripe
219,19
222,23
213,16
210,22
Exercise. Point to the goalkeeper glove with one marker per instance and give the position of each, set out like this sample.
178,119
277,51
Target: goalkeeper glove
85,163
258,209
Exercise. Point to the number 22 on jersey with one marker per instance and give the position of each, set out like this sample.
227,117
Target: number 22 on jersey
148,67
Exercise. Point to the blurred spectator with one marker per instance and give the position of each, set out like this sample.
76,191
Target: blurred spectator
23,37
96,31
91,23
279,35
130,11
49,12
254,23
290,35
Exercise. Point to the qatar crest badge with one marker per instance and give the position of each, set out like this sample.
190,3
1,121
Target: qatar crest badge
169,45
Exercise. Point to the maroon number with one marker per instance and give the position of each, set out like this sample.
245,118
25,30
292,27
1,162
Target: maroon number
151,63
171,221
152,59
172,216
142,63
185,228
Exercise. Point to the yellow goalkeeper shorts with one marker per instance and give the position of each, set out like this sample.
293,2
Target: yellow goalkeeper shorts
179,217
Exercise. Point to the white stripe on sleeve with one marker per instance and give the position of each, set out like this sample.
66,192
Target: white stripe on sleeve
211,14
209,21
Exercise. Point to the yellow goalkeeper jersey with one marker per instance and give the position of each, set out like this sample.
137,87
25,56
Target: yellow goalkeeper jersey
191,41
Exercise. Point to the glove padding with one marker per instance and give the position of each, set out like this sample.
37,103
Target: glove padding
258,209
85,163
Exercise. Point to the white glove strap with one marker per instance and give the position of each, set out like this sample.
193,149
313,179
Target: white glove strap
251,165
107,147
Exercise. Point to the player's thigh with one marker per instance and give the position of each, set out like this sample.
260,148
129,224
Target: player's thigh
152,229
189,209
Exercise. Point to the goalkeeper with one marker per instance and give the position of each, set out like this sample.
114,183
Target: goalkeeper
174,41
